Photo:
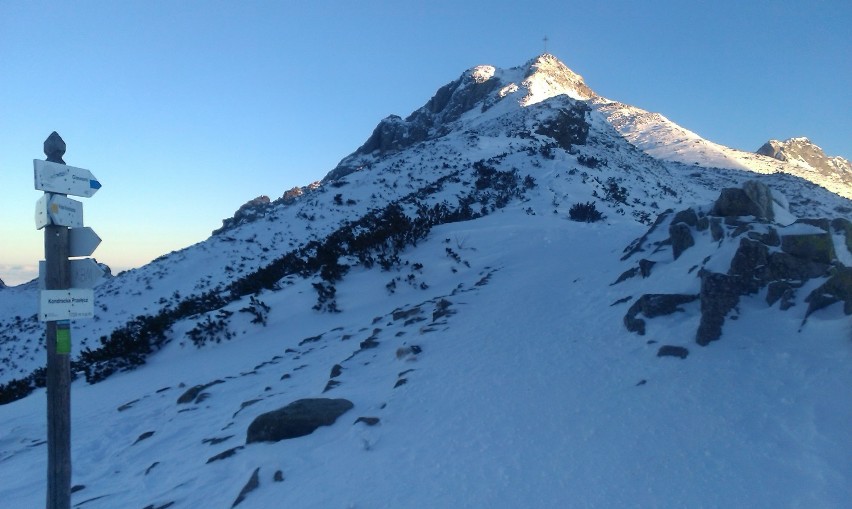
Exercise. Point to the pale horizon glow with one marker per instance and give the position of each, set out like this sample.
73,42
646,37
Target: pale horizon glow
185,111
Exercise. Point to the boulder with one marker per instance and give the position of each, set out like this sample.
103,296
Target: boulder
672,351
297,419
761,195
753,199
814,247
688,216
681,237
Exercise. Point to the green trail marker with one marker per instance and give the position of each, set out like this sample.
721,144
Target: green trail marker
63,337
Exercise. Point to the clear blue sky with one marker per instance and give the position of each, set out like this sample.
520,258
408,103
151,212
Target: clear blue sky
185,110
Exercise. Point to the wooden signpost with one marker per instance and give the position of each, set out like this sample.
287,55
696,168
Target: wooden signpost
60,301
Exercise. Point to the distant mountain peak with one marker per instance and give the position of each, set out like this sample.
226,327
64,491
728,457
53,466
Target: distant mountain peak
547,77
803,152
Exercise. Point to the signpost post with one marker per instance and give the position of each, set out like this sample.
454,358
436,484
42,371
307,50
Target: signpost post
64,237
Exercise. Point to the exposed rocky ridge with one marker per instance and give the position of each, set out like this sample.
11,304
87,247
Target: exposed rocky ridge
746,245
802,151
480,87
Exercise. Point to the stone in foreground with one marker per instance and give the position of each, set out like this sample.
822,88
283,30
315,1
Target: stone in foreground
297,419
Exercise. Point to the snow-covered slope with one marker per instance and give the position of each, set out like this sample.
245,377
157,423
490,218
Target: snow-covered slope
663,139
435,280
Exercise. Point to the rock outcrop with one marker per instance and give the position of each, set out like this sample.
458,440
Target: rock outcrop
743,253
804,153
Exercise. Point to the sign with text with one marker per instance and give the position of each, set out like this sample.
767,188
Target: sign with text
85,273
59,210
60,178
66,304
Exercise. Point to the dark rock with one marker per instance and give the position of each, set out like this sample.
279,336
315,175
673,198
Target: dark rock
653,305
336,370
77,487
216,440
672,351
716,230
400,382
688,216
639,244
442,309
750,262
152,506
401,314
627,274
224,454
128,405
821,223
331,384
143,436
297,419
719,294
621,300
703,223
568,128
780,290
251,485
645,267
681,235
770,238
369,421
787,266
279,476
739,230
844,226
815,247
193,393
368,343
838,288
753,199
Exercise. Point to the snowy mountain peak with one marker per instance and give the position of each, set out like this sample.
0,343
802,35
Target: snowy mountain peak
475,92
803,153
548,77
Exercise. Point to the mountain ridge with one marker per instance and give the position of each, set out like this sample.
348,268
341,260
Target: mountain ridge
446,290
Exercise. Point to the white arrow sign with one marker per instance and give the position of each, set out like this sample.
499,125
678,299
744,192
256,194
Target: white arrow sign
84,273
59,210
82,241
66,305
63,179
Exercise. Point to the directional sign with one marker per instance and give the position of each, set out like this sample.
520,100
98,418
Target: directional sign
82,241
85,273
59,210
66,305
63,179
